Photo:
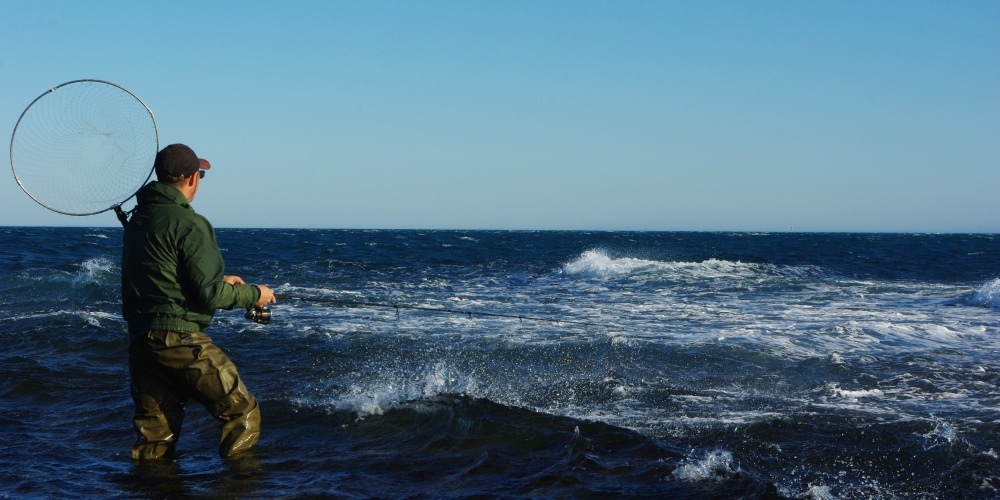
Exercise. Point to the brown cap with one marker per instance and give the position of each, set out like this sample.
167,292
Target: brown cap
178,161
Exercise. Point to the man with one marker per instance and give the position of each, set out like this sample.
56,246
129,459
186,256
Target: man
172,283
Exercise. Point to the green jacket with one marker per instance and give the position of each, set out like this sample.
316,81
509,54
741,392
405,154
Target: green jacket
172,268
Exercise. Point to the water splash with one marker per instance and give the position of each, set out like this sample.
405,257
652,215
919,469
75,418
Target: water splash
377,396
94,271
598,262
988,295
715,463
943,433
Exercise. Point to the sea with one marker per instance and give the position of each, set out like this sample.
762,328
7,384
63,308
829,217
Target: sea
530,364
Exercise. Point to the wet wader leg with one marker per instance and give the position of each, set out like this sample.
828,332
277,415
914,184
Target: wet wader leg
159,406
240,418
215,383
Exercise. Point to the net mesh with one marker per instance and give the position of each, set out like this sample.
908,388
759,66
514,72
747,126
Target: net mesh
84,147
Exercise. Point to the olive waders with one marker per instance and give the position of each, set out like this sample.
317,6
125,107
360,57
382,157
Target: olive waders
167,369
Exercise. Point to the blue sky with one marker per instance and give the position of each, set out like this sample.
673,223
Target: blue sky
661,115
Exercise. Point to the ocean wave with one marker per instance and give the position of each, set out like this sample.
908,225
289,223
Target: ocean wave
377,396
853,395
99,270
599,263
794,354
987,295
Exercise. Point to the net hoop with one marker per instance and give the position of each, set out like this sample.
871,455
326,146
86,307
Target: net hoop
84,147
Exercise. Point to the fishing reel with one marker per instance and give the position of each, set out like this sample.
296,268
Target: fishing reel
259,315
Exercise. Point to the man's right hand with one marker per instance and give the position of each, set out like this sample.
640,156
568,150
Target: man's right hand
266,296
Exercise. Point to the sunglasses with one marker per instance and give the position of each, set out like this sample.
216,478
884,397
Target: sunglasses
201,175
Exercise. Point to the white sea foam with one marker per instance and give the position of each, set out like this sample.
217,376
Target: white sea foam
92,270
987,295
852,395
599,263
313,292
714,464
820,492
89,316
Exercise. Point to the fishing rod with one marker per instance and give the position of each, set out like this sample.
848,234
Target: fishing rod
262,315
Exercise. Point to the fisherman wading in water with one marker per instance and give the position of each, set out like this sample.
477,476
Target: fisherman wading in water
172,284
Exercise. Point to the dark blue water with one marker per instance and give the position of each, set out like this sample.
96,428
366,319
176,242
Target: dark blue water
725,365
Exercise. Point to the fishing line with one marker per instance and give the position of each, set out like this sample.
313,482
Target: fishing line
264,316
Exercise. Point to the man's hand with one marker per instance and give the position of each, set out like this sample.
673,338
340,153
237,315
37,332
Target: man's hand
266,296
